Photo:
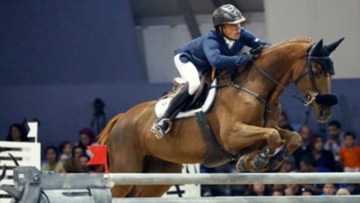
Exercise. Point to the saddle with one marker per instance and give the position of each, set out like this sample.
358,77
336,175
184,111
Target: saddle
197,106
202,100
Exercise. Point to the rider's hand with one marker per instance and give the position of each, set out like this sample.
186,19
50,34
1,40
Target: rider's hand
255,56
256,51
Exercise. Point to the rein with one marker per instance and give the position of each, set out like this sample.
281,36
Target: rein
268,107
258,96
287,90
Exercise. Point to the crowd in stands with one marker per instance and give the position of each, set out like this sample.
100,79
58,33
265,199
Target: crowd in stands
336,151
66,157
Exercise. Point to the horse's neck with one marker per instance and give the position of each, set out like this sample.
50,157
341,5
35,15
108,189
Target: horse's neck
278,64
279,70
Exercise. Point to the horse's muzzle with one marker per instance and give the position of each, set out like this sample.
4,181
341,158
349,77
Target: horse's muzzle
327,99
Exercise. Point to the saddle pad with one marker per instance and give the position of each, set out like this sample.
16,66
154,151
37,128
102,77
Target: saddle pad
162,105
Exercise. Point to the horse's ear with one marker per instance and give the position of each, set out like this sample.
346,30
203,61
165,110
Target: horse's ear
317,47
331,47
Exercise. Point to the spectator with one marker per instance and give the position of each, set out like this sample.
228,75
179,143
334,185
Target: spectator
334,142
306,135
207,190
343,191
284,122
308,164
83,160
306,192
278,187
78,151
292,190
86,138
329,189
72,165
354,189
350,153
258,189
220,190
288,165
65,149
323,158
17,133
52,162
278,193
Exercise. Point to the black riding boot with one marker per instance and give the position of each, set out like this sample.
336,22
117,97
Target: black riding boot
163,124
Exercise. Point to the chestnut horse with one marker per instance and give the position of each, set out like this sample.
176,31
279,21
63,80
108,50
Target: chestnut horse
243,118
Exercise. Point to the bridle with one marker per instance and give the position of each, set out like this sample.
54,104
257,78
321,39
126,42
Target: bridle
327,64
311,56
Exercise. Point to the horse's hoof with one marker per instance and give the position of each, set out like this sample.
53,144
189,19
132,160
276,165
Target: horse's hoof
241,165
260,162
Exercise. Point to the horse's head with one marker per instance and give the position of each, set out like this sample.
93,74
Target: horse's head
314,80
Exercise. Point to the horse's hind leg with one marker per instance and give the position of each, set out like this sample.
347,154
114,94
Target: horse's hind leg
123,158
154,165
122,164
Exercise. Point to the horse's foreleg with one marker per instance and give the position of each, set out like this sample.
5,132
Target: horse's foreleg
243,136
292,140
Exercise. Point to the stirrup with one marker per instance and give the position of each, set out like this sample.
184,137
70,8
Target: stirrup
158,130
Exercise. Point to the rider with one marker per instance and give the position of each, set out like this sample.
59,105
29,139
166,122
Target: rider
217,49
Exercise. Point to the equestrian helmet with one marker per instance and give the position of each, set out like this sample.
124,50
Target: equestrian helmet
227,14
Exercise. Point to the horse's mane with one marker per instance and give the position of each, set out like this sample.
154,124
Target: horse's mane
291,40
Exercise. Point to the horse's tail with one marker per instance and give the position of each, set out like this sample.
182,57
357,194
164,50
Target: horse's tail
103,137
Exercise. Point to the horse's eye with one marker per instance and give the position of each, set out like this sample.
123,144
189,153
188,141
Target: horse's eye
318,70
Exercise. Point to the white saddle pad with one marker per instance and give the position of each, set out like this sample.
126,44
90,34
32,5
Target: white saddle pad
162,105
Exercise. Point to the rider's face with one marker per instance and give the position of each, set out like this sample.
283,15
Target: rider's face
232,31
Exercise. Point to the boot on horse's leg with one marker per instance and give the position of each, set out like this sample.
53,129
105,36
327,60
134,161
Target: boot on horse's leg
262,159
163,124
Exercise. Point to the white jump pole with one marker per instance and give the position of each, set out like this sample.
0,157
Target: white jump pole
247,199
230,179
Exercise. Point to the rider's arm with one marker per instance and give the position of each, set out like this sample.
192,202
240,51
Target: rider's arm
212,52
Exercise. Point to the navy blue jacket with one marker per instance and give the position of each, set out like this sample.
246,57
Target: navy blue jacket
211,50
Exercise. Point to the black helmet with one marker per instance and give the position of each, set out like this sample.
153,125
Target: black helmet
227,14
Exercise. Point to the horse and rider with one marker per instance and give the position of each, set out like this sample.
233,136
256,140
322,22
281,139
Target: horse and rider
217,49
243,117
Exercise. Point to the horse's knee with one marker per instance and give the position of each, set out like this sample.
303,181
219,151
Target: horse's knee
294,142
274,139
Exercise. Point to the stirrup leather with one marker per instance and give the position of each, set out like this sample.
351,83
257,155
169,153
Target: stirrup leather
158,130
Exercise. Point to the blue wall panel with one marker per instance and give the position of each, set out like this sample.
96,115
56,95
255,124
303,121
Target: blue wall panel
68,42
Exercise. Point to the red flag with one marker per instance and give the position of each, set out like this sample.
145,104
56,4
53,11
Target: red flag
99,156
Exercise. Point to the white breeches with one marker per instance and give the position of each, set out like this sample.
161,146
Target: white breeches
189,73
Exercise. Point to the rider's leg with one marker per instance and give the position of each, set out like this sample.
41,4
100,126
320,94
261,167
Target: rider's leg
188,72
